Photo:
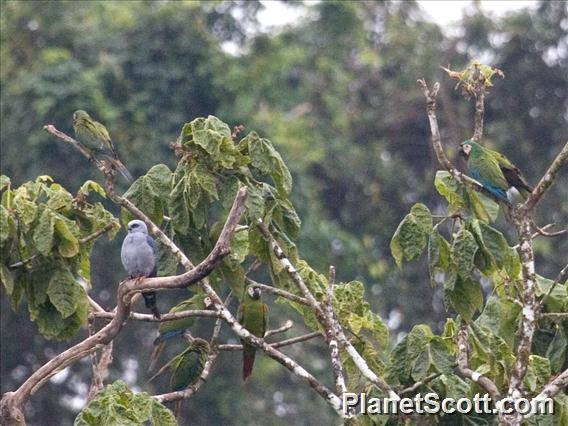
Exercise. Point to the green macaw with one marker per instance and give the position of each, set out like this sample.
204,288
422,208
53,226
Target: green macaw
493,170
253,316
186,367
94,136
171,329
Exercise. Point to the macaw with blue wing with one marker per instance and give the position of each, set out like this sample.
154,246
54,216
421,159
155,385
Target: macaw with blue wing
253,316
171,329
494,171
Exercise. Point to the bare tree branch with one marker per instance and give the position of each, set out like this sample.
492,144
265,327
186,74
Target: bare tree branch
544,232
278,292
546,180
323,318
530,306
561,276
554,386
430,96
282,329
280,344
170,316
336,365
11,405
555,316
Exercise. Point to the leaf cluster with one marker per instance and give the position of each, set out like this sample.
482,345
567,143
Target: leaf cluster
46,242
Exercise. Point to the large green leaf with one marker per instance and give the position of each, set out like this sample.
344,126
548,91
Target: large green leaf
43,233
483,208
466,297
65,293
463,250
500,316
117,405
67,233
410,238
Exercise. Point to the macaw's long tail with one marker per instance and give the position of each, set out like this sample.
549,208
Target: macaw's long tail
150,302
155,356
249,353
177,409
117,164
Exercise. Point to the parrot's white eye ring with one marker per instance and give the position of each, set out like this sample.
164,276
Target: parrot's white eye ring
466,148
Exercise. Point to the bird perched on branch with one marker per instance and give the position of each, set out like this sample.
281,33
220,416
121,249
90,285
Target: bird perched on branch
94,136
493,170
186,367
139,255
171,329
253,316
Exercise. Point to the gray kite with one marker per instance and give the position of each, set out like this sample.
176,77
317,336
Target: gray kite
139,257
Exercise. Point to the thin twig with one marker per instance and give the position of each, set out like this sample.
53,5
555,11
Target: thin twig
543,232
278,292
561,276
282,329
287,342
97,234
547,179
422,382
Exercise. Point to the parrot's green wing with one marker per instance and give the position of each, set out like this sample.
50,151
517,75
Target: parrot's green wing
194,303
187,370
511,173
487,166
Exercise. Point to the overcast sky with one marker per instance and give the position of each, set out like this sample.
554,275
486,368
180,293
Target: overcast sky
443,12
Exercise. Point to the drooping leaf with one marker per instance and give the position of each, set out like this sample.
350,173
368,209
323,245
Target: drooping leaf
557,351
463,250
450,189
408,241
65,293
43,233
66,232
89,186
465,298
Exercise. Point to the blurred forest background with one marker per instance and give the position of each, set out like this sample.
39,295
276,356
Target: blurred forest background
335,92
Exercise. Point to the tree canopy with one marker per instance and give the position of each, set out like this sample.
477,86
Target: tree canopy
329,103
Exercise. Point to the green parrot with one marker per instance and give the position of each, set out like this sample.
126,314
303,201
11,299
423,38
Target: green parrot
493,170
186,367
96,138
252,315
170,329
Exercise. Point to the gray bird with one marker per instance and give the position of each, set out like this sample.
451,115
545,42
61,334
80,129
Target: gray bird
139,257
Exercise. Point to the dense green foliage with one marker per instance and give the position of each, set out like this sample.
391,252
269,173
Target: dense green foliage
336,94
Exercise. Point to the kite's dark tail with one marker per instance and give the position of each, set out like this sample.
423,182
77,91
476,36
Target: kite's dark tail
150,302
